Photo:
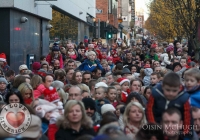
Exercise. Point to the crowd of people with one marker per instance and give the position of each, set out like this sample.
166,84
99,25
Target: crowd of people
100,91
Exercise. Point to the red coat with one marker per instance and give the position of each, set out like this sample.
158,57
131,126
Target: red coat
49,59
115,59
52,131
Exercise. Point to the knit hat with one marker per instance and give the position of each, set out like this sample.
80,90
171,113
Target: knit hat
176,64
55,48
3,80
36,66
23,67
44,63
41,110
101,84
51,94
3,57
89,103
42,72
109,58
34,128
121,81
169,48
107,107
57,84
126,71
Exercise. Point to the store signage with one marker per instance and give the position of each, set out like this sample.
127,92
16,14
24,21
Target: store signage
90,20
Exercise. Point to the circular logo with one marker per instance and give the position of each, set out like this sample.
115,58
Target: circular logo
15,118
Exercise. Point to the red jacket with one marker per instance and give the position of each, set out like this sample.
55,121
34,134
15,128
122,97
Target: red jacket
52,131
49,59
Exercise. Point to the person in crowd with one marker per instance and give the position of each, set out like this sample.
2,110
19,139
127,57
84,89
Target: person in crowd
147,92
10,75
45,66
110,62
112,95
166,95
90,63
167,57
3,63
76,78
191,80
55,55
85,90
91,111
87,76
134,119
26,91
3,88
22,69
196,118
74,122
63,95
125,87
134,97
126,72
96,73
18,80
60,75
70,64
71,52
147,77
75,93
152,55
133,69
38,87
155,78
14,96
47,80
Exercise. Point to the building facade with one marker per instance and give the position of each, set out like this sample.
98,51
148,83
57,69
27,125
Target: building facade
26,24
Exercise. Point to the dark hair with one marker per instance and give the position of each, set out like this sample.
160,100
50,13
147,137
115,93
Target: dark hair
16,92
167,80
92,83
96,69
42,57
44,78
87,72
9,73
136,96
108,117
146,132
172,111
157,74
146,88
68,69
18,80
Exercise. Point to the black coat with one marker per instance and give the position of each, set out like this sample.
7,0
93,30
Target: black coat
70,134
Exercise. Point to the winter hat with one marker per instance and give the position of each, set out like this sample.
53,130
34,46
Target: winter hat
176,64
148,71
36,66
55,48
45,63
41,110
42,73
126,71
101,84
3,57
57,84
23,67
3,80
89,103
34,128
113,52
109,58
169,48
60,105
107,107
51,94
122,80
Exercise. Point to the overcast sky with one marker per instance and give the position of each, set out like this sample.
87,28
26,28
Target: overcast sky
142,4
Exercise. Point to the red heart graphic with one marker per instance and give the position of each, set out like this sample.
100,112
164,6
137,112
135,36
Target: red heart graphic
15,120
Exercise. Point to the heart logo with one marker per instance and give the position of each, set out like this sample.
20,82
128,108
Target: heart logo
15,120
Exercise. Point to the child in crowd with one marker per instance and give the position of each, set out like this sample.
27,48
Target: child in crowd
155,78
191,80
100,94
110,62
146,79
112,95
167,95
125,84
183,62
91,63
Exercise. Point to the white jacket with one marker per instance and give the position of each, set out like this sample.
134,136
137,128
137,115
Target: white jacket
165,59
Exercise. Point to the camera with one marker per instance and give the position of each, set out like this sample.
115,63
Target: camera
23,19
49,26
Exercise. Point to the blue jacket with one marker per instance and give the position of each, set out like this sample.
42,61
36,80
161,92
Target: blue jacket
88,66
195,97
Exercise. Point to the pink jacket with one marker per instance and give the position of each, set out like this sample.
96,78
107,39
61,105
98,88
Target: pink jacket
39,91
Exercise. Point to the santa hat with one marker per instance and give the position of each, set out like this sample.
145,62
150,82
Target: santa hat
51,94
122,80
113,52
41,110
3,57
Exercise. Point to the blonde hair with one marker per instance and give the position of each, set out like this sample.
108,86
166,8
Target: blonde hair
24,87
36,80
63,95
84,87
193,72
90,53
127,111
64,122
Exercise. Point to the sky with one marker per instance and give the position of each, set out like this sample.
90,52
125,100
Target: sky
142,5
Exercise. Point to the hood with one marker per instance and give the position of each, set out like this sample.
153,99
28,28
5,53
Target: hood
148,71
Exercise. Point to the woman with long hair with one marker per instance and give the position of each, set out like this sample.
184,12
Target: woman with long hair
26,91
134,118
74,122
77,78
14,96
